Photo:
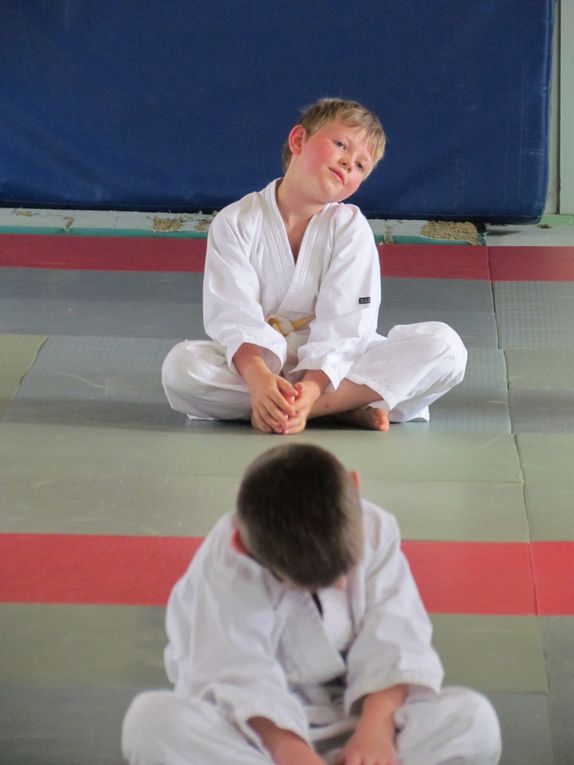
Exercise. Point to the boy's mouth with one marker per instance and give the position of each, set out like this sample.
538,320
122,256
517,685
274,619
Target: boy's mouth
339,175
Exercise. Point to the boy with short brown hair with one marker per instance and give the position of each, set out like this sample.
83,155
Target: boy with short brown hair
291,300
310,649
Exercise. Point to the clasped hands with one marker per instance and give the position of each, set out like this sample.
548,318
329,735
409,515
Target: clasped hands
280,407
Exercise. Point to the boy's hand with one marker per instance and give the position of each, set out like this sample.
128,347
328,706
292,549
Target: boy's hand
308,391
373,742
271,395
285,747
272,398
368,749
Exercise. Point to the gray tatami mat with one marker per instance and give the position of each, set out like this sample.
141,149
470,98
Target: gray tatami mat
95,380
480,402
466,305
477,328
535,314
72,725
558,639
437,294
101,303
17,354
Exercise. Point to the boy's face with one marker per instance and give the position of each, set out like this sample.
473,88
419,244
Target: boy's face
332,162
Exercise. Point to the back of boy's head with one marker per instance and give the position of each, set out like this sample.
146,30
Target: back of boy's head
299,514
350,113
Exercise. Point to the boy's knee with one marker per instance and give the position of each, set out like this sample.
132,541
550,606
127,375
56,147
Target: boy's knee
477,716
175,363
146,724
453,348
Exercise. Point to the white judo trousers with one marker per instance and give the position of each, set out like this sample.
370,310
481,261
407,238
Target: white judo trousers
455,727
410,369
318,312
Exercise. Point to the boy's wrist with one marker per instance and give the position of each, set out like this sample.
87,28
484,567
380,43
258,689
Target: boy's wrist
284,746
250,364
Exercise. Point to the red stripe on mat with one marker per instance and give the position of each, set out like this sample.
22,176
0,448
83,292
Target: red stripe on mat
123,253
102,253
117,253
454,577
551,264
434,261
473,577
554,577
62,568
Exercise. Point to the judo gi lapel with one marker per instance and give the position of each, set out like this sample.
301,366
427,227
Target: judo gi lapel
301,279
308,654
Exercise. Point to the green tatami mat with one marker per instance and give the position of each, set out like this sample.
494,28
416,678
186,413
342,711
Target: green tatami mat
404,453
548,462
535,315
449,510
541,410
494,654
540,369
190,505
526,731
111,480
96,503
48,645
123,645
96,380
541,386
17,354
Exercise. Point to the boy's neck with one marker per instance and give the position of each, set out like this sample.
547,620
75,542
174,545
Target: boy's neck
294,207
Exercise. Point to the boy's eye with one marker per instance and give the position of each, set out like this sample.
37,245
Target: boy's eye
360,167
340,144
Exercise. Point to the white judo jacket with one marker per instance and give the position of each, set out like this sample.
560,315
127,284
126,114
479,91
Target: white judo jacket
252,646
332,292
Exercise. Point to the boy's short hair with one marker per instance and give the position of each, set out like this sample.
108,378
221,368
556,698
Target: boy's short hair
350,113
299,514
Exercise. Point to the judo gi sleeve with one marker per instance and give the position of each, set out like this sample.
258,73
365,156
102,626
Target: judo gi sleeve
220,626
393,644
347,307
232,310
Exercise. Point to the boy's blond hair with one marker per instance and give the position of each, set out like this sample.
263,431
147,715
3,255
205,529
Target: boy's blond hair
300,516
350,113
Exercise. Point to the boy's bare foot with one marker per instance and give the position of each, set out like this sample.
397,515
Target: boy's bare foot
367,417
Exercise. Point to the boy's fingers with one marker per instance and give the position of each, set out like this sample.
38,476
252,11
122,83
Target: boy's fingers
286,389
273,416
260,424
281,405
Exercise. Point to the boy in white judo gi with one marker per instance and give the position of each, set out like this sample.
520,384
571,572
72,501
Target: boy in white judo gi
291,299
297,637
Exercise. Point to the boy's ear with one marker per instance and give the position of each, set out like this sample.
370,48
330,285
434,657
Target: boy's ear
237,543
356,479
297,138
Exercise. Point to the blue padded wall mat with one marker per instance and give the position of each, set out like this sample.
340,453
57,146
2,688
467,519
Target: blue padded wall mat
185,105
